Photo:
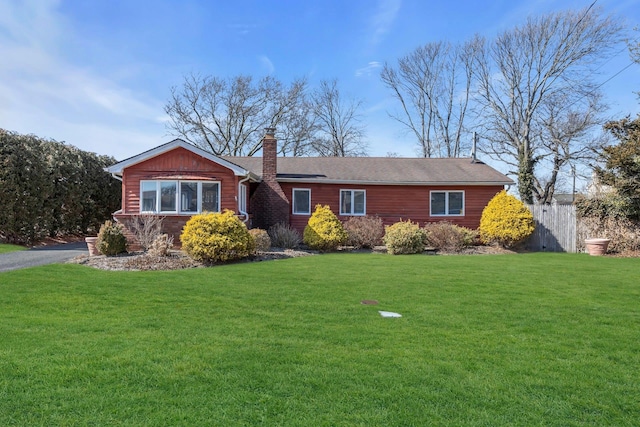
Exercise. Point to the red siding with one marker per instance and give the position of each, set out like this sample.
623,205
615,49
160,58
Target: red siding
178,162
394,203
171,225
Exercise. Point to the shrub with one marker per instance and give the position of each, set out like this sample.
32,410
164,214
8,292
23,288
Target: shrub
161,246
146,228
505,221
404,237
449,237
364,231
609,205
623,232
324,231
111,239
213,237
284,236
261,239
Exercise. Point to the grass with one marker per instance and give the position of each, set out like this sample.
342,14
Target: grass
535,339
6,247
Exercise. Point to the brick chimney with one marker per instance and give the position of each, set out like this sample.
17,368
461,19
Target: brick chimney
269,204
269,155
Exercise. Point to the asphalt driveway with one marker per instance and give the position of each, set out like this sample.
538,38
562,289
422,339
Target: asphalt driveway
42,255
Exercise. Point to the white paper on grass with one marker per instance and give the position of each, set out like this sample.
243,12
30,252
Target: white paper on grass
389,314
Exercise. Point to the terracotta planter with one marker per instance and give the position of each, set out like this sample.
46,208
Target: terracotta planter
597,246
91,245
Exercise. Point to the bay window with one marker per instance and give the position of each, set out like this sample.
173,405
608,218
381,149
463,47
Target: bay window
179,197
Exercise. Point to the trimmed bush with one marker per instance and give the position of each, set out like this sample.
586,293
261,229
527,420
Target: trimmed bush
505,221
284,236
161,246
324,231
261,239
364,231
214,237
404,237
111,239
49,188
449,237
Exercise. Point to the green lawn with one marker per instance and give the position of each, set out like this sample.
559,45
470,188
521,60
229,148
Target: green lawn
522,340
6,247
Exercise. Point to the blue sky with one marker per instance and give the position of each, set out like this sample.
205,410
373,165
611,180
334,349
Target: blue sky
97,74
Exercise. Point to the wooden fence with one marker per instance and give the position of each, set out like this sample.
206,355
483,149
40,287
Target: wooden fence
555,228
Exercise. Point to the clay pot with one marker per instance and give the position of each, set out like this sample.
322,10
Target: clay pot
597,246
91,245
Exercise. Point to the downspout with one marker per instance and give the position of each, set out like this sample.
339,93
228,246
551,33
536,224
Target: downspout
113,174
243,213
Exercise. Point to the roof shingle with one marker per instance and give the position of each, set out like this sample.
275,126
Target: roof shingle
379,170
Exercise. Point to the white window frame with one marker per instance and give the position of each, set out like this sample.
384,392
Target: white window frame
293,201
446,202
178,200
242,198
353,205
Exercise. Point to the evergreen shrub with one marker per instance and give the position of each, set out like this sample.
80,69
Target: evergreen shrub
261,238
404,237
324,231
111,239
505,221
160,246
215,237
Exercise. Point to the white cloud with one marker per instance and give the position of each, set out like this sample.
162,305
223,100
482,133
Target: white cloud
369,69
241,29
43,93
381,22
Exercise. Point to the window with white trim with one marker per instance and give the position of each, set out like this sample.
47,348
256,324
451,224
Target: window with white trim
242,203
179,197
301,201
353,202
447,203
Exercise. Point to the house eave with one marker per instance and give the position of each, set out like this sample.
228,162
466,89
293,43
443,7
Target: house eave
118,168
397,183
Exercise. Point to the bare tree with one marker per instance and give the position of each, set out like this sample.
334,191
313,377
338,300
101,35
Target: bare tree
228,116
340,132
522,75
566,138
433,85
634,50
296,133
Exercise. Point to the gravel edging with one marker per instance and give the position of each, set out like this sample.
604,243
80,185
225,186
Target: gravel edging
177,260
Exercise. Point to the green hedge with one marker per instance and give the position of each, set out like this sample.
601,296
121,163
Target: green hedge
50,188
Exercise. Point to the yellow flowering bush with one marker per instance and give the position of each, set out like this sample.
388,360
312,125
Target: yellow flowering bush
213,237
324,231
505,221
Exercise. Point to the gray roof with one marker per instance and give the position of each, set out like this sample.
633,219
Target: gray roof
378,170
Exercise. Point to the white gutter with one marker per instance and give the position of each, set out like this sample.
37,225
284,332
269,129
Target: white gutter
245,214
395,183
116,176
